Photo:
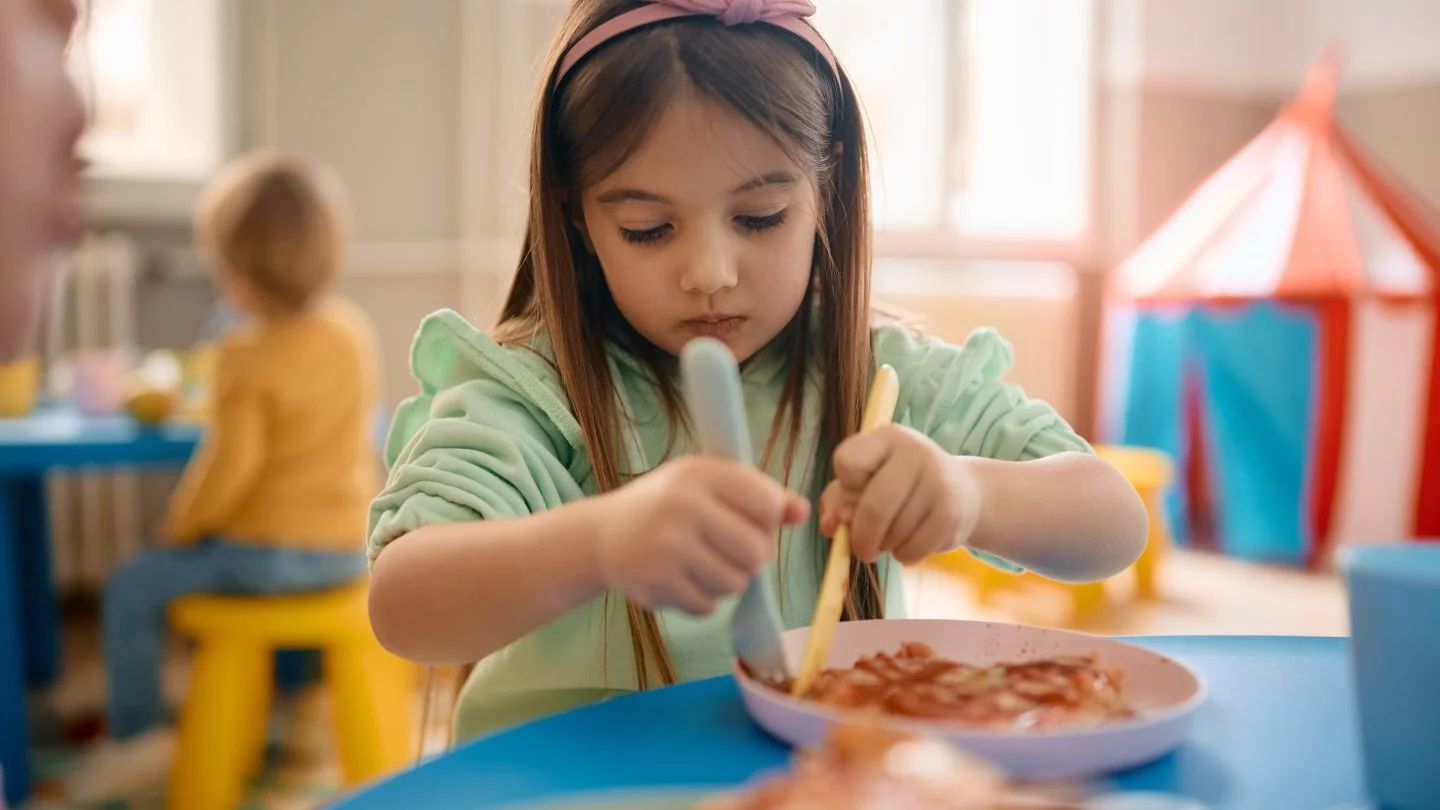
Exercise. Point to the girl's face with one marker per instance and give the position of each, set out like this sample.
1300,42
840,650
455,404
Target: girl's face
708,229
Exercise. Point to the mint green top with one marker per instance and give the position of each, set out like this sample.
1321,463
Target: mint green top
491,436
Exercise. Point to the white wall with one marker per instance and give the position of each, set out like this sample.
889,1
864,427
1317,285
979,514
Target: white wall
424,109
1263,48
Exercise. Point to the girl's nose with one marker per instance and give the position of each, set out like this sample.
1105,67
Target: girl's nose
710,267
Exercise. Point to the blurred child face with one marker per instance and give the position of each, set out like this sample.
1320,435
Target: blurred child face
708,229
40,193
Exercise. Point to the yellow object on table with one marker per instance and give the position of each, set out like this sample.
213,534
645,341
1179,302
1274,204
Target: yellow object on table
19,387
1150,472
150,406
223,720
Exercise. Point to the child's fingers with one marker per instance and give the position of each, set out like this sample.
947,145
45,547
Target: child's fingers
906,528
929,538
716,574
678,593
732,540
859,457
797,510
758,498
938,533
837,506
887,493
685,595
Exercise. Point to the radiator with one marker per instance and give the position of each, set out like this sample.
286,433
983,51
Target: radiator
1034,305
94,518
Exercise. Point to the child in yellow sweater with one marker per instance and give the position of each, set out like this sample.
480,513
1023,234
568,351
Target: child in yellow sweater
275,500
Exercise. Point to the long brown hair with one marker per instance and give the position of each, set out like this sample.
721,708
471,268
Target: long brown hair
586,128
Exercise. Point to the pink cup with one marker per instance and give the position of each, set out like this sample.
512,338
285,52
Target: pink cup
100,378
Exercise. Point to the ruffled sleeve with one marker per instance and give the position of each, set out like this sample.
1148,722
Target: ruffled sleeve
487,438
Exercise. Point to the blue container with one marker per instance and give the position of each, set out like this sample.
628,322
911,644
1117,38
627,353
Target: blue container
1394,595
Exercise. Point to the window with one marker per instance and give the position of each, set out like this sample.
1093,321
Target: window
981,117
152,74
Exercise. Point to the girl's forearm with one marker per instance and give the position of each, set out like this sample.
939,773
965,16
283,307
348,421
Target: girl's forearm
454,593
1070,517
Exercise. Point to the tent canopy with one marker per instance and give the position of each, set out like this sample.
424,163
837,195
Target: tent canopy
1301,213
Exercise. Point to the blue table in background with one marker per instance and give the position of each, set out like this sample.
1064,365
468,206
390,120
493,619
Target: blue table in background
30,449
1278,733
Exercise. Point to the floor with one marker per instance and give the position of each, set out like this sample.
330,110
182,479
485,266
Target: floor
1201,594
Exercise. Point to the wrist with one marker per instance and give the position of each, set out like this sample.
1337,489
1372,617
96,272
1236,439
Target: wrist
587,538
966,476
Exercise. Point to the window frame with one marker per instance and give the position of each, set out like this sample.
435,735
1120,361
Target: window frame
117,193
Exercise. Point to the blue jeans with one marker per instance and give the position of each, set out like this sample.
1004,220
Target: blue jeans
141,591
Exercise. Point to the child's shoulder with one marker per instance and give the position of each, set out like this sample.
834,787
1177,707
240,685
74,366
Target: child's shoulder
449,350
341,313
463,372
331,327
984,355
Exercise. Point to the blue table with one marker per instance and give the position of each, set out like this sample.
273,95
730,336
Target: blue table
1278,734
31,448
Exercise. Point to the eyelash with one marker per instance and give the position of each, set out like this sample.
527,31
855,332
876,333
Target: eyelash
650,236
761,224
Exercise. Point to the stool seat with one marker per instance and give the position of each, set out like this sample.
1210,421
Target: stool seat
1147,470
305,620
226,712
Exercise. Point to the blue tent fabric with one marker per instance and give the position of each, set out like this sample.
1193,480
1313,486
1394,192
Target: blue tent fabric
1259,372
1256,368
1152,409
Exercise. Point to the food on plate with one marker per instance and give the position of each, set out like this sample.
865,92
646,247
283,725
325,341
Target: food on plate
868,768
916,682
860,768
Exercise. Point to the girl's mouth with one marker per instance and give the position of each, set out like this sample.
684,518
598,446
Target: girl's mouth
717,326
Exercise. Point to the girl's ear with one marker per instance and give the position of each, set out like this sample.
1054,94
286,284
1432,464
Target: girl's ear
839,149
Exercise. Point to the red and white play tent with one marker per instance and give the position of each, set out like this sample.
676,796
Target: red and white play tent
1278,336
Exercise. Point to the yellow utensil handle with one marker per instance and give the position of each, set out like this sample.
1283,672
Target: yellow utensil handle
827,612
879,411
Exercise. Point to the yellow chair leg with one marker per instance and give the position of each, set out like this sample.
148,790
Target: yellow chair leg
374,725
258,731
1156,546
1088,597
228,689
1145,577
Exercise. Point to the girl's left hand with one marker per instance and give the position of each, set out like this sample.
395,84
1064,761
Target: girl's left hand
901,494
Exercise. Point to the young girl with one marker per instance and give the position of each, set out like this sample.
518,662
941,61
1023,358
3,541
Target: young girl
698,169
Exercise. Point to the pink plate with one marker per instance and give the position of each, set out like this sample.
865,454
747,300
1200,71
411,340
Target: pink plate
1164,691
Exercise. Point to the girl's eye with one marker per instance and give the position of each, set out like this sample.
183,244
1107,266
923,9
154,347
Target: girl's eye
759,224
649,236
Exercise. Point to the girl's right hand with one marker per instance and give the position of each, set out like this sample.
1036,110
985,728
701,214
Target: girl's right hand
692,531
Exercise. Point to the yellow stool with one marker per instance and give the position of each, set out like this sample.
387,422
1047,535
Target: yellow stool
1150,472
223,720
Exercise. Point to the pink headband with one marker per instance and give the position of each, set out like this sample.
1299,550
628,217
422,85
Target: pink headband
787,14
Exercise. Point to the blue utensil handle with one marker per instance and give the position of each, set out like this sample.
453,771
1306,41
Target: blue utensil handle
717,406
